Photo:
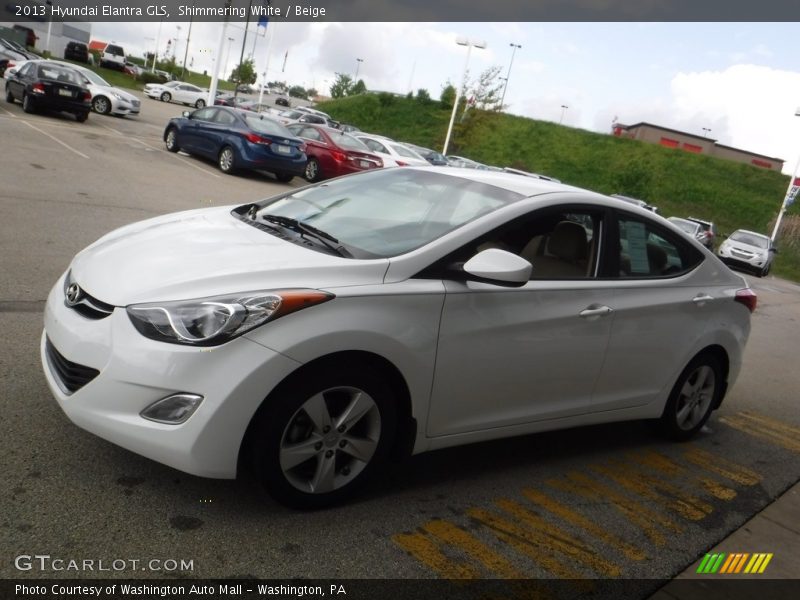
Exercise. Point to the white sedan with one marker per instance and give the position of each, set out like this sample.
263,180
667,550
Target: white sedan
393,153
309,334
177,91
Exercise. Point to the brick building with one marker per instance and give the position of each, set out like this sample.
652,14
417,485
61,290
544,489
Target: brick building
672,138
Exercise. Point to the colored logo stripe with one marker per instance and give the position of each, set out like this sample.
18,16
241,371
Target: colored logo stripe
734,563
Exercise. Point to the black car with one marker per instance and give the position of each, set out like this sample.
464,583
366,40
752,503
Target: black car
238,139
51,86
433,157
77,51
281,101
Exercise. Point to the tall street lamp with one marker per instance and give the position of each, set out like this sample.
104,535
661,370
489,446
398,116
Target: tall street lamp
564,108
789,197
514,48
358,65
461,41
227,55
706,131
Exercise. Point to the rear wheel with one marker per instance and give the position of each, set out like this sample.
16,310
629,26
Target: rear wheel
321,437
311,172
166,97
81,117
171,140
765,271
693,398
9,96
227,160
284,177
27,104
101,105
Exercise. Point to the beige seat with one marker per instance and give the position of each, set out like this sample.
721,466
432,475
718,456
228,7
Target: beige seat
565,253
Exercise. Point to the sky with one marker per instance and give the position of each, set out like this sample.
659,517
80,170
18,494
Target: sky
741,81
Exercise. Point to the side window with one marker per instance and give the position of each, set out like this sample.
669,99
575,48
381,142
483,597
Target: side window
223,117
311,134
26,70
646,250
204,114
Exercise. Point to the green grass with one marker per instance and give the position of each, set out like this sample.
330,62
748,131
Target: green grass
733,195
123,80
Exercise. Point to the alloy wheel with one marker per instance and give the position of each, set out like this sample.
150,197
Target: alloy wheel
695,397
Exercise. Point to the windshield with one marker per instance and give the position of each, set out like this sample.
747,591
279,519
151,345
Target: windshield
95,78
390,212
751,239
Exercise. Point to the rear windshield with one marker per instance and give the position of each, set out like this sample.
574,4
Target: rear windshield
58,73
267,126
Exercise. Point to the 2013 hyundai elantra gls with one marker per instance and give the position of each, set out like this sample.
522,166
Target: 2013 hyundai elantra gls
309,334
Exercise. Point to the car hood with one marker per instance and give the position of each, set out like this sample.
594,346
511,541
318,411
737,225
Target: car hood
107,89
728,244
207,252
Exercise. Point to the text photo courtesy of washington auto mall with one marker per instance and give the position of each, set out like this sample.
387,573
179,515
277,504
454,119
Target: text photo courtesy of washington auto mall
405,300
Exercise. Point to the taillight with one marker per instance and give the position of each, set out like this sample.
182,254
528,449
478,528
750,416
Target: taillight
338,156
87,96
257,139
400,163
379,163
748,298
38,88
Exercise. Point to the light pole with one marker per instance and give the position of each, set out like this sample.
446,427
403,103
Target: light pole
177,39
158,41
186,52
789,197
706,131
564,108
49,25
227,55
461,41
358,65
514,48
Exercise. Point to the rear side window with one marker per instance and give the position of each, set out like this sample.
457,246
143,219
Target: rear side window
646,250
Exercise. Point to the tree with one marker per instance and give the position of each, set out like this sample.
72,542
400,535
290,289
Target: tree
423,95
486,91
341,86
358,88
245,72
312,93
298,91
448,95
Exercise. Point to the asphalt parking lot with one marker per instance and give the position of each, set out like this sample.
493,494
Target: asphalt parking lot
607,502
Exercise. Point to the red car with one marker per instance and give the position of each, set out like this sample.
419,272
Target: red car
332,152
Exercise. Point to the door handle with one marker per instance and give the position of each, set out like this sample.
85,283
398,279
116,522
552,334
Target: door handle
701,299
595,311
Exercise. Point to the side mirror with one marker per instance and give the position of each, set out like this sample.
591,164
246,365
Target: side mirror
11,71
186,114
773,249
499,268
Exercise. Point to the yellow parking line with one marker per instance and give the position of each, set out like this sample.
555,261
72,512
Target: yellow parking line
558,539
577,519
456,536
756,429
659,462
789,430
526,541
721,466
654,489
633,511
427,552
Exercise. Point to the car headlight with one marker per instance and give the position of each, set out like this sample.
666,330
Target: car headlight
218,319
117,96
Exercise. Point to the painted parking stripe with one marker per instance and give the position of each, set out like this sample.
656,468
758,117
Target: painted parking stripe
186,162
658,462
757,426
721,466
578,520
428,552
55,139
632,510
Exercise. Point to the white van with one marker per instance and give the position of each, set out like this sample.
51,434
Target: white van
113,57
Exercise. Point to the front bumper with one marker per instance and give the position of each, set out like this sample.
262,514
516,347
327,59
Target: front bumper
135,371
755,264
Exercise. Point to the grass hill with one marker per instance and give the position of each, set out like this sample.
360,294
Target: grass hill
733,195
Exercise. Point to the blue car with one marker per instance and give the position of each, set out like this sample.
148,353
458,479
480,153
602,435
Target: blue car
237,140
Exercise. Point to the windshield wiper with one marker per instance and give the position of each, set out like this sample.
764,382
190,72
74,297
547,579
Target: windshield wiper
304,229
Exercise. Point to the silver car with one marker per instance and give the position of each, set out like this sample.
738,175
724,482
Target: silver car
749,251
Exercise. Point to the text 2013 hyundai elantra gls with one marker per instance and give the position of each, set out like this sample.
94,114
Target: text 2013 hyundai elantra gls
311,333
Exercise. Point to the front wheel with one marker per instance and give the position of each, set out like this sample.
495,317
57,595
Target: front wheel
166,97
171,140
311,172
765,271
101,105
200,104
227,160
693,398
320,437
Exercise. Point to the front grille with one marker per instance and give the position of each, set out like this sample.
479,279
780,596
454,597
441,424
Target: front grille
135,103
86,305
70,376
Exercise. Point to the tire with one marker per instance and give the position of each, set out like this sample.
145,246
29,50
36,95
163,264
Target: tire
284,177
200,104
27,104
9,97
311,172
101,105
227,160
693,398
765,271
171,140
337,453
166,97
81,117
